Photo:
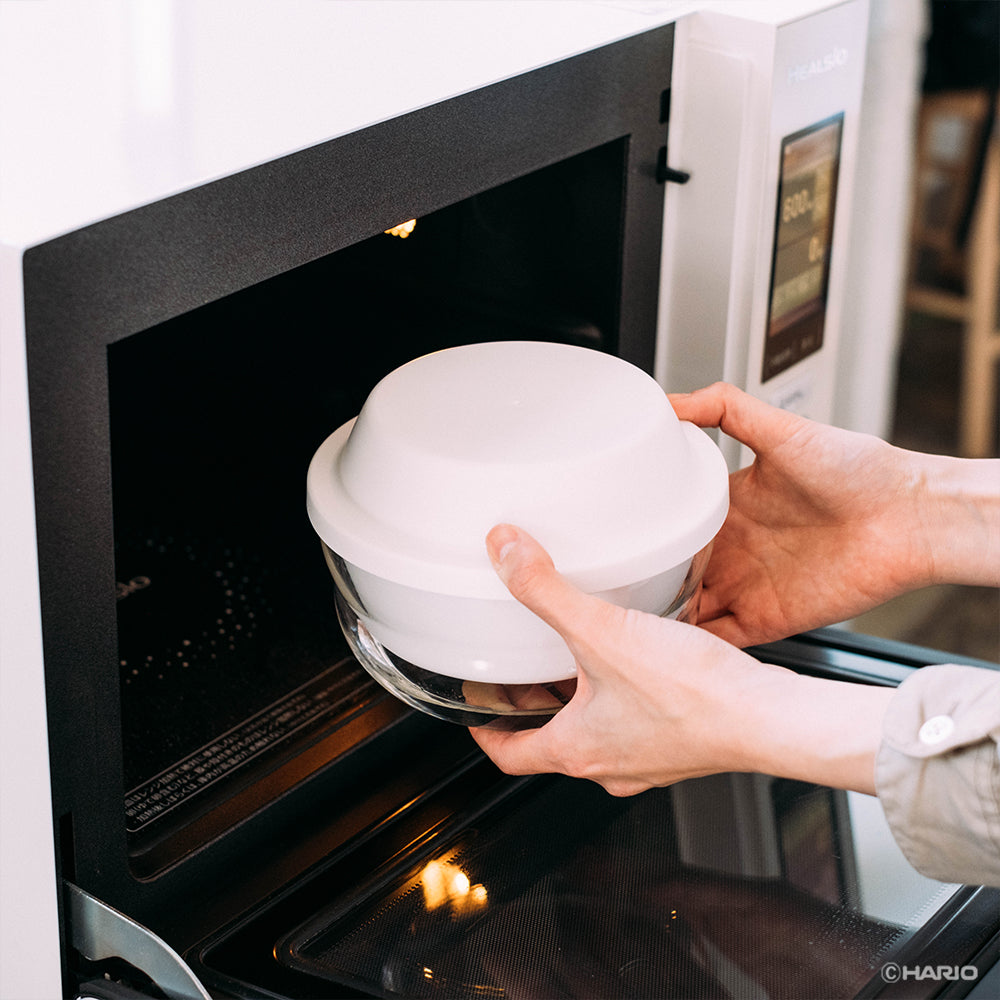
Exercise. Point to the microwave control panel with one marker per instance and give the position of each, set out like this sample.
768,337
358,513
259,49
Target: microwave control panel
803,236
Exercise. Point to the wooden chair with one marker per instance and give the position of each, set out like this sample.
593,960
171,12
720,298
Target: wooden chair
954,269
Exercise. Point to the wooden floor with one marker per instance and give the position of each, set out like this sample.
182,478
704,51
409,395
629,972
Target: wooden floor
963,620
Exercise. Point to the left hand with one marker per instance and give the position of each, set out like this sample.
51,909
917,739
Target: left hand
658,701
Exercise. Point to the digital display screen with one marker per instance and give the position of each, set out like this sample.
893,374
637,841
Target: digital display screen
800,263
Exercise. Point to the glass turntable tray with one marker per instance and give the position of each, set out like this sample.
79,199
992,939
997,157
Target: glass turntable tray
735,885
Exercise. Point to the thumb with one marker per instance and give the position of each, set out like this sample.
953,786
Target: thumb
751,421
528,572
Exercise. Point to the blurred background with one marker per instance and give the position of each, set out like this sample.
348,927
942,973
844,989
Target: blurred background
934,386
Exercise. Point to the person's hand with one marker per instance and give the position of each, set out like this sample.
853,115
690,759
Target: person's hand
658,701
826,523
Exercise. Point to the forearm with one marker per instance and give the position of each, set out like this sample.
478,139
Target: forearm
959,518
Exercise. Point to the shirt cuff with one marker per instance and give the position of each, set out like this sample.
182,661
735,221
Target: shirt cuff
937,772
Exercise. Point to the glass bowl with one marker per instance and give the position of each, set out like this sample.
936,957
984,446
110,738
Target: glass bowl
579,448
471,693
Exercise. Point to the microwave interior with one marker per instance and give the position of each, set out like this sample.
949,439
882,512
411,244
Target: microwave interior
224,772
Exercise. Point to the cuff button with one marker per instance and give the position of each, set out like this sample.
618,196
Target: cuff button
936,729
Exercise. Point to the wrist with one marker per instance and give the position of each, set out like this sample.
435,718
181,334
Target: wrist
815,730
959,519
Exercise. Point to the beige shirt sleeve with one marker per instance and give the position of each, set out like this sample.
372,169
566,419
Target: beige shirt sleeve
937,772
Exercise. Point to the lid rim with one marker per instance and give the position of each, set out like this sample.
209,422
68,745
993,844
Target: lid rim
403,563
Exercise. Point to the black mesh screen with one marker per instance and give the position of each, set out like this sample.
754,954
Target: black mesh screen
574,893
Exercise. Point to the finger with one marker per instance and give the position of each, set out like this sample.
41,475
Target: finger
727,627
515,752
529,574
527,753
744,417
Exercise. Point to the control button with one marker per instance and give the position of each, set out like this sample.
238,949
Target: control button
936,729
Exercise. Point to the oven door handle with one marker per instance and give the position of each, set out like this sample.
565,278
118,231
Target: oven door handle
98,931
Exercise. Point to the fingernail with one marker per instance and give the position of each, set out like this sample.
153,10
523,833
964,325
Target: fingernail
500,541
502,554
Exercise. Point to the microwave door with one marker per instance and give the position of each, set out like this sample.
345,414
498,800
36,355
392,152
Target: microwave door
737,884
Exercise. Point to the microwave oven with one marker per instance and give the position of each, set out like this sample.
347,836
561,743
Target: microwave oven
203,275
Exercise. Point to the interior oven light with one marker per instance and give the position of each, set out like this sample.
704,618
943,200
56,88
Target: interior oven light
403,229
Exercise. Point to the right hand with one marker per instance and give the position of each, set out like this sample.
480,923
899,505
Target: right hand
825,523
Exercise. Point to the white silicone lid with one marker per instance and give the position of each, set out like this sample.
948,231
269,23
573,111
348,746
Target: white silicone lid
578,447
